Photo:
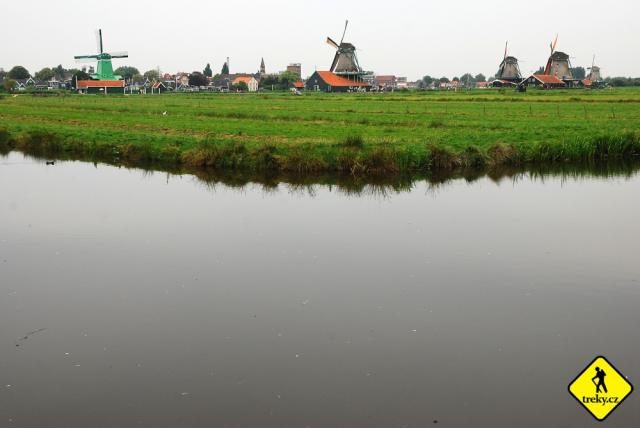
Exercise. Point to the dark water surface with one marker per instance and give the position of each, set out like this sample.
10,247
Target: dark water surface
167,302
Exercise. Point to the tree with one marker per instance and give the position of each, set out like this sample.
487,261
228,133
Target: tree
444,80
225,69
455,79
287,79
540,70
151,75
480,78
79,75
3,73
137,77
45,74
207,70
126,72
467,79
59,72
198,79
579,73
19,72
425,82
241,87
270,81
9,84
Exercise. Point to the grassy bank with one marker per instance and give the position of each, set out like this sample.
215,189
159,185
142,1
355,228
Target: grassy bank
362,134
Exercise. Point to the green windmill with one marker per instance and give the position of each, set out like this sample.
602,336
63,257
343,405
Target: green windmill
104,70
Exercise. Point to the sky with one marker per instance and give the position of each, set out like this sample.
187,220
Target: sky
409,38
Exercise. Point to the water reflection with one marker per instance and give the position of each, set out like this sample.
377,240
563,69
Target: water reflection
381,186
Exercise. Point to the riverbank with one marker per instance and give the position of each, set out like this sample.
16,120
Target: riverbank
353,134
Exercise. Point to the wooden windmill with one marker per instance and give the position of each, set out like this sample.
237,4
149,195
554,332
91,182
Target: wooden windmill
594,71
345,62
558,63
509,69
104,70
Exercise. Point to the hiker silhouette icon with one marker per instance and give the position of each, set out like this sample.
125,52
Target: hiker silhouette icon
600,375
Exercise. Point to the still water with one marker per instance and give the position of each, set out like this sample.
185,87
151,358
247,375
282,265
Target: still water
143,299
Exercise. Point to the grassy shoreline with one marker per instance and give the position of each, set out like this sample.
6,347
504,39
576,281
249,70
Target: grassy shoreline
359,135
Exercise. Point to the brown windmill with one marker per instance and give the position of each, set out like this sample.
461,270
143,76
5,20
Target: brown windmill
558,64
345,62
509,69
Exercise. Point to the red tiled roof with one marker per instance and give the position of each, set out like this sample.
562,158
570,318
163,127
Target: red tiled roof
385,79
245,79
298,85
100,83
587,82
339,81
548,79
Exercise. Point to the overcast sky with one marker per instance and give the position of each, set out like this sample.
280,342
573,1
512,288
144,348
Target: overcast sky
406,38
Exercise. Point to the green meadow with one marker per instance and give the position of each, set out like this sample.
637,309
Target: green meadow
354,133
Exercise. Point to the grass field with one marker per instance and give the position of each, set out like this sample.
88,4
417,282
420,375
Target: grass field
355,133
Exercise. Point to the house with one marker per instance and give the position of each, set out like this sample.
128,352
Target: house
158,88
452,85
182,79
250,81
299,85
385,83
544,80
327,81
100,86
482,85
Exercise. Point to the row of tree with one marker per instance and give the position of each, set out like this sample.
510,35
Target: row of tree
466,79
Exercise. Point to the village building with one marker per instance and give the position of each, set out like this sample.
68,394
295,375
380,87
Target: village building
296,69
326,81
544,80
250,81
385,82
100,86
158,88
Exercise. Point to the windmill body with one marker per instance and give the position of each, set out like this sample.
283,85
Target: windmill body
559,65
104,69
594,74
509,70
345,62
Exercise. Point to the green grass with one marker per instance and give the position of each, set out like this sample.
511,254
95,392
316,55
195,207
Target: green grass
373,134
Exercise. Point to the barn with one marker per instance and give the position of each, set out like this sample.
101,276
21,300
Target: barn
100,86
326,81
544,80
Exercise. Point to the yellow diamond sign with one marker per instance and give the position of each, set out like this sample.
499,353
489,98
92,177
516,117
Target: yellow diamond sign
600,388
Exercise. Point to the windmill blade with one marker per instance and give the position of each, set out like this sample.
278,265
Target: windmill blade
334,64
330,42
84,59
555,43
506,47
122,54
99,40
346,24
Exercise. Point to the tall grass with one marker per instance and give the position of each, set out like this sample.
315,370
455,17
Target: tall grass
383,134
